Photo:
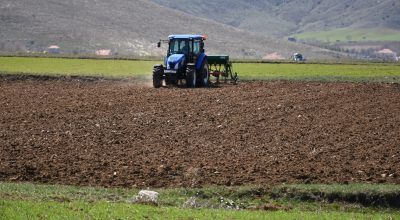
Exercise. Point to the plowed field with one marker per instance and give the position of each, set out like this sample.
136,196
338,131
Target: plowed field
122,133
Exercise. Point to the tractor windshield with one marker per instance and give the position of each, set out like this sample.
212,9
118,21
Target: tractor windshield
179,46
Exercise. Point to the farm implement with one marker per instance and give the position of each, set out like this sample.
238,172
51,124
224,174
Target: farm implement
220,66
186,61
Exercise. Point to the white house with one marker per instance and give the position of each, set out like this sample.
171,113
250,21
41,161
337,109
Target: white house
53,49
387,54
103,52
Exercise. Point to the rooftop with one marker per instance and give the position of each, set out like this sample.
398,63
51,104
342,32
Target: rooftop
186,36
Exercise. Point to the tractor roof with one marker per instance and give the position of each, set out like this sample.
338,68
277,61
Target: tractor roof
186,36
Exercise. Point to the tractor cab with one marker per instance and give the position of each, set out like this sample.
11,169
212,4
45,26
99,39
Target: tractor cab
185,59
189,45
183,49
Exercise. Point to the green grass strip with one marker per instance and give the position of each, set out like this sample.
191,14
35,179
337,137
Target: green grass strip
31,201
10,209
320,72
361,72
76,67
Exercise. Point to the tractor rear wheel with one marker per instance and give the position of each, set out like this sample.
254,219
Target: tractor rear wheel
204,77
157,76
190,76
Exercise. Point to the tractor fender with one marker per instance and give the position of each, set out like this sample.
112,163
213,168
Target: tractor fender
200,60
165,60
158,66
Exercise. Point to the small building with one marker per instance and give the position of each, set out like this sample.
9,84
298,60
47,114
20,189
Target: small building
387,54
103,52
292,39
53,49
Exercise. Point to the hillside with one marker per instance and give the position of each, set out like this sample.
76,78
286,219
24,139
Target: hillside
287,17
125,27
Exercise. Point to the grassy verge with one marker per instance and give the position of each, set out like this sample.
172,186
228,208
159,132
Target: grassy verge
104,210
30,201
360,72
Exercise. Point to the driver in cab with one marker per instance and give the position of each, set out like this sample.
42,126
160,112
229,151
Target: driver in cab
184,48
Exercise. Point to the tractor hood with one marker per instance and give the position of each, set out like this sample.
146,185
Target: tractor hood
175,61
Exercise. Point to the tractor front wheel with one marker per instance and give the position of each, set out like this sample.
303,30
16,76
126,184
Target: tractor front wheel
190,77
204,77
158,72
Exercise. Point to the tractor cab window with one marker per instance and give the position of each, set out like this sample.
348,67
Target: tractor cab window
179,46
196,47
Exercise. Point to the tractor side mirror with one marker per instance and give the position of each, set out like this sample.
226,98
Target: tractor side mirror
159,44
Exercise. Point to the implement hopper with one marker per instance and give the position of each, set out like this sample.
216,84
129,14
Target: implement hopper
220,66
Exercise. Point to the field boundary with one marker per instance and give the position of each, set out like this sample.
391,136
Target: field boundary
369,197
242,197
48,77
6,76
233,60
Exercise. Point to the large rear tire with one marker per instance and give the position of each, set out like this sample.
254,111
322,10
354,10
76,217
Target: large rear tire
204,77
190,76
158,72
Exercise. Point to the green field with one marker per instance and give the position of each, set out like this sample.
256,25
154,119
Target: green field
319,72
380,72
80,67
30,201
345,35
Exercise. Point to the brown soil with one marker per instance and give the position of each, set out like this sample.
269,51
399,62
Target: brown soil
115,133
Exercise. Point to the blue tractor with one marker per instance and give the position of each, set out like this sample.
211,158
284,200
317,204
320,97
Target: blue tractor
185,60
